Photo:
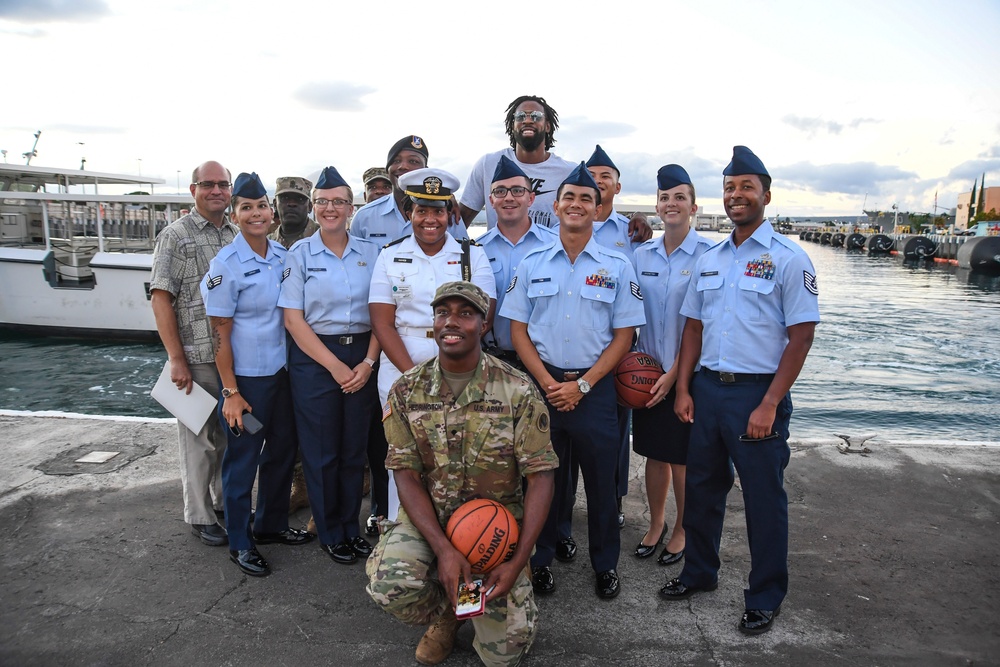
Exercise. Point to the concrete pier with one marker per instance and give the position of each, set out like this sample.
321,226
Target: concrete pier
894,560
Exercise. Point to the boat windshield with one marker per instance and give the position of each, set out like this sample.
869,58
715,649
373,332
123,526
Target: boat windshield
10,185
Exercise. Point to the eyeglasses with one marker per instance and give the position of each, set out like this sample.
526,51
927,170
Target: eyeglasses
211,185
500,192
336,203
535,116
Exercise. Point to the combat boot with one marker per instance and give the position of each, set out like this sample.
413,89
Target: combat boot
299,498
439,640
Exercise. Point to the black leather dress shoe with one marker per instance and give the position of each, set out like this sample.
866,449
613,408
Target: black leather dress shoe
291,536
675,590
607,585
341,553
371,526
621,515
566,550
360,546
667,558
211,534
758,621
251,562
542,580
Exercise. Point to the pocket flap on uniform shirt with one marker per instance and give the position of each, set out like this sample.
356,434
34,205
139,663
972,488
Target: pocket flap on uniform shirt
759,285
709,282
594,293
546,288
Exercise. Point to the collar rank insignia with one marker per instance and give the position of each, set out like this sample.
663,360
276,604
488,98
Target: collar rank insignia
362,263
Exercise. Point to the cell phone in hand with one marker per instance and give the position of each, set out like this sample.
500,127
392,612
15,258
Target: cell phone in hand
251,424
471,601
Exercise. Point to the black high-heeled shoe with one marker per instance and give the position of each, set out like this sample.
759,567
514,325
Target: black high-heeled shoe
644,551
668,558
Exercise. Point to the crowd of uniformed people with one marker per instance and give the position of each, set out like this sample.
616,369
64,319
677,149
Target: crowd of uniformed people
314,310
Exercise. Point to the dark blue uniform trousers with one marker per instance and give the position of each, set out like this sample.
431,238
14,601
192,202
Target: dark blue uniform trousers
268,456
333,435
721,412
565,525
377,450
589,436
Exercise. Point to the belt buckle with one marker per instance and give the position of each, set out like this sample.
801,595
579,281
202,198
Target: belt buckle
728,378
570,377
346,340
430,333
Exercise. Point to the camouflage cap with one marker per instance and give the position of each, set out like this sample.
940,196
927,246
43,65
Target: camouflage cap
296,184
374,174
468,291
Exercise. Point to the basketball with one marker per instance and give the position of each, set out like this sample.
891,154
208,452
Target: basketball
635,376
484,531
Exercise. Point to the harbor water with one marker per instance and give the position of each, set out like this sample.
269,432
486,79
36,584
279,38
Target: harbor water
908,352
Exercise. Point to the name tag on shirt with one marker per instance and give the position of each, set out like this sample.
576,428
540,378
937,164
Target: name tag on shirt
317,269
650,273
403,260
540,280
709,273
250,273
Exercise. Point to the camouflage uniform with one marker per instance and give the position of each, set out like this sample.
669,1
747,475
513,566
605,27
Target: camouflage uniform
287,241
479,444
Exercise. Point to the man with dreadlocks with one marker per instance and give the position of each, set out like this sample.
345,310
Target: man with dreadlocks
531,124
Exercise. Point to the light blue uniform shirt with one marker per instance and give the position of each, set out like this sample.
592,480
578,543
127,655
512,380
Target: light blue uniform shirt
504,259
244,286
664,281
746,297
331,292
613,235
380,221
572,308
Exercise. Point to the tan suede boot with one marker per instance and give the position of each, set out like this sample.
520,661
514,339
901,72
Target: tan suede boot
439,640
299,498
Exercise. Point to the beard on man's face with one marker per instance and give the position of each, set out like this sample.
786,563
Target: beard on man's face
530,143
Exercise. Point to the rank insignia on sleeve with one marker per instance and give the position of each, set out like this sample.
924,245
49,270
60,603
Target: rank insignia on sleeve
214,281
513,281
636,292
284,274
810,282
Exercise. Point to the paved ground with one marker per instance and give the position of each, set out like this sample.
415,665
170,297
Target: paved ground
894,561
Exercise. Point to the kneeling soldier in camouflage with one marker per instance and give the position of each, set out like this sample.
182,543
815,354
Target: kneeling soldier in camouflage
462,425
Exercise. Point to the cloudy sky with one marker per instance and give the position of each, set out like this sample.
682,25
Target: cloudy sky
847,102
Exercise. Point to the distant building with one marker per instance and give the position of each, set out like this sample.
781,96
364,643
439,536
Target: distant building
990,200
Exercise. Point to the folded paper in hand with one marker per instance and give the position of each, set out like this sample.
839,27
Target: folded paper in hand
193,409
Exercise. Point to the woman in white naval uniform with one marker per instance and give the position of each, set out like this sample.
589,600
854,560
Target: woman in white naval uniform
407,274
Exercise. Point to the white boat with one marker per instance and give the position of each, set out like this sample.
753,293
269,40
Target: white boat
76,262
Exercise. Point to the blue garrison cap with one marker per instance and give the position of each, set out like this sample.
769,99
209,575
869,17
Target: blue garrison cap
330,178
601,159
249,186
670,176
507,168
744,162
580,176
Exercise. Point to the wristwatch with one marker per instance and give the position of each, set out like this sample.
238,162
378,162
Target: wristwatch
227,392
584,386
370,362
